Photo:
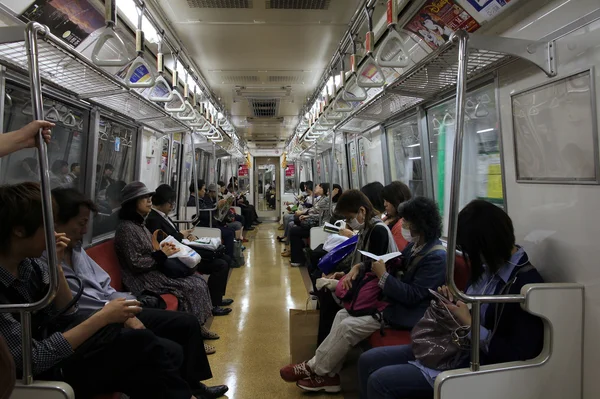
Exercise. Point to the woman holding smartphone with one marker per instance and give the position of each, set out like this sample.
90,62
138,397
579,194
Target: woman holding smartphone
508,333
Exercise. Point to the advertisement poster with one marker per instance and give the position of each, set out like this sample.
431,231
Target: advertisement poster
488,9
141,74
290,171
438,19
71,20
243,170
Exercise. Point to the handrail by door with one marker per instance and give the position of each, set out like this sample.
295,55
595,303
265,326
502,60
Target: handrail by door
31,32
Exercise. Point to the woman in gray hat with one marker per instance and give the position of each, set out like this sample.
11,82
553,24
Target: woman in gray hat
133,244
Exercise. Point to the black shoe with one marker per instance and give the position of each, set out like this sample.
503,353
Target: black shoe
226,302
257,222
250,228
210,392
219,311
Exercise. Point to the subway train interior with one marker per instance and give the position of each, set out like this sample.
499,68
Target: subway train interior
253,126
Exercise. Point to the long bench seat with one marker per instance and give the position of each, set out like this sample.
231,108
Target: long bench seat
104,254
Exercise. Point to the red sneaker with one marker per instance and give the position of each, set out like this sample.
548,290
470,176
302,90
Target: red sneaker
295,372
245,240
317,383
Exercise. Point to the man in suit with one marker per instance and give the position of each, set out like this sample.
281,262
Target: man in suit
218,269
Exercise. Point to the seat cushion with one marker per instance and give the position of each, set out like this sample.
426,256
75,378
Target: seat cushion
104,254
391,338
171,301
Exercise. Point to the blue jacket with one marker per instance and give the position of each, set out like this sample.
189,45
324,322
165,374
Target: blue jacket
408,290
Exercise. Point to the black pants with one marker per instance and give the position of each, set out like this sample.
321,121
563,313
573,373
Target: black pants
313,269
183,329
248,217
218,269
138,364
242,219
227,235
297,236
328,308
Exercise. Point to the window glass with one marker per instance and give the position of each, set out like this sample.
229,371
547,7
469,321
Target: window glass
340,167
243,177
164,160
481,172
65,151
114,169
290,179
405,155
353,162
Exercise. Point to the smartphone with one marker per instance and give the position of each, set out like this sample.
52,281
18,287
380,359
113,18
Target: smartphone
440,297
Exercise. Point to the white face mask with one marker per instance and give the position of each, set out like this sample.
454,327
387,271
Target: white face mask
355,225
407,235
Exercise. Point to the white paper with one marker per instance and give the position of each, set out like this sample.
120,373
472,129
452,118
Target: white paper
384,258
331,227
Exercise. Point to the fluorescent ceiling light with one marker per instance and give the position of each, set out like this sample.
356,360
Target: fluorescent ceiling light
414,158
486,130
413,145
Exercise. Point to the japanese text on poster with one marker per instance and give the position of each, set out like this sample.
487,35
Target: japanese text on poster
438,19
243,170
290,170
488,9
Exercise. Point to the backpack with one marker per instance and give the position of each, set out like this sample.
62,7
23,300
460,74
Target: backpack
364,298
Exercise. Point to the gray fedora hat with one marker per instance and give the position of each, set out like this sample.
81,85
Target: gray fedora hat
212,187
134,190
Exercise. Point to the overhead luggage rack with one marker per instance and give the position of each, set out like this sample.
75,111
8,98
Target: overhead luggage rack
61,66
436,74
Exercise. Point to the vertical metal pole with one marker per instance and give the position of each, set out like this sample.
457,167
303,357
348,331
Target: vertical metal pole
37,103
215,160
461,83
428,189
387,171
315,172
194,175
3,95
170,158
331,175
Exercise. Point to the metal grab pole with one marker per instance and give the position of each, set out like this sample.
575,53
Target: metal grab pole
462,37
331,176
215,178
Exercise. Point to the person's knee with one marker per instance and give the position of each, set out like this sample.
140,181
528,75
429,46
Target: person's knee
365,362
375,385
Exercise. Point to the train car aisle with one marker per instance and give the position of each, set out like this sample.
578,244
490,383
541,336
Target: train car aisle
254,340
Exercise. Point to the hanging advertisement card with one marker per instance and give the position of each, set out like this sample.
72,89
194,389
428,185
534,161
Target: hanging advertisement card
290,170
243,170
488,9
438,19
71,20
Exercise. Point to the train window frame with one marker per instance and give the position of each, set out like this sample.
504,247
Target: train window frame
536,91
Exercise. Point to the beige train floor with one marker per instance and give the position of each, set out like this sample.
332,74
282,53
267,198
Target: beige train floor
254,342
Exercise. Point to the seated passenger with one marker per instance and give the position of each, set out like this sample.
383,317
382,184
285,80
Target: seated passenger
405,288
227,234
304,201
182,328
134,362
141,263
294,219
374,192
242,201
393,195
246,218
315,216
218,269
486,236
211,198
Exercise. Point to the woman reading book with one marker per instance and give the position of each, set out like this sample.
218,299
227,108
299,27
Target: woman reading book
405,287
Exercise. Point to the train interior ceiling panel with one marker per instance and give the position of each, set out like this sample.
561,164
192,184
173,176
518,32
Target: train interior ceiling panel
257,118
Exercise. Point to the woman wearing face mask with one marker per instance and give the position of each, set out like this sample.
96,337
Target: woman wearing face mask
321,372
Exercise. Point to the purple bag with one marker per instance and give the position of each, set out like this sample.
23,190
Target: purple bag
328,262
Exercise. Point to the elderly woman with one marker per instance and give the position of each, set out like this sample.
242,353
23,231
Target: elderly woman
141,263
405,287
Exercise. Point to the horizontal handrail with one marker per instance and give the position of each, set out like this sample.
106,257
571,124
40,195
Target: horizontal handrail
197,218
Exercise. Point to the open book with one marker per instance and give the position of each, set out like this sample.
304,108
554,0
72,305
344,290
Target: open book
384,258
330,228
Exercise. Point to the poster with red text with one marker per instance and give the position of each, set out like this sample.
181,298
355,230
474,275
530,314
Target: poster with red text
438,19
290,170
243,170
71,20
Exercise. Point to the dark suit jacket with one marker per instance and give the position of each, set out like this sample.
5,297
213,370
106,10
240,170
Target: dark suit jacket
155,221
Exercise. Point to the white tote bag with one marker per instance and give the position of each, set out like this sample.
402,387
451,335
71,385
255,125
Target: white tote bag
186,255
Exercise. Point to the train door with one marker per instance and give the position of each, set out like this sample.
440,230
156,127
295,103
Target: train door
266,190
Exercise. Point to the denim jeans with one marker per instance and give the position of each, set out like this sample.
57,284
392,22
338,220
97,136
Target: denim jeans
384,373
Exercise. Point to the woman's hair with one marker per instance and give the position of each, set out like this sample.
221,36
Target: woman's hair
325,187
164,193
20,206
351,201
396,193
485,231
69,200
336,197
373,192
129,211
308,185
200,184
302,186
423,215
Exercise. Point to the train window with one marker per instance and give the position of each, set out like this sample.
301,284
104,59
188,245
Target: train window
164,159
290,186
353,162
405,155
370,157
340,165
114,169
481,167
154,157
64,151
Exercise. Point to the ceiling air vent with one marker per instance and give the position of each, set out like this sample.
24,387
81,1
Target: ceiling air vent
298,4
238,79
284,79
263,108
219,3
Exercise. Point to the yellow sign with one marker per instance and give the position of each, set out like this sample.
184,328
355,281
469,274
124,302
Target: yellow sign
353,165
494,187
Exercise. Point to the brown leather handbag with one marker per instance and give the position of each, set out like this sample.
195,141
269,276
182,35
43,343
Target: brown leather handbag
439,341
